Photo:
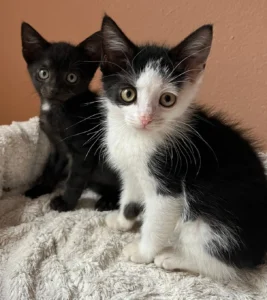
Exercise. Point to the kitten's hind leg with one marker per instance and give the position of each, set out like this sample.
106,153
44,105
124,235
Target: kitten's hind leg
38,190
196,261
50,177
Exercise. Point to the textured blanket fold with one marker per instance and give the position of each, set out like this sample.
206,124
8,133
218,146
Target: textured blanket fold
49,255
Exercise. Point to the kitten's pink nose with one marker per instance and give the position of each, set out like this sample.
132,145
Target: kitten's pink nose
145,119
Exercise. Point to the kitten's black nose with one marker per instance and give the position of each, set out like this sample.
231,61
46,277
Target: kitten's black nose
50,92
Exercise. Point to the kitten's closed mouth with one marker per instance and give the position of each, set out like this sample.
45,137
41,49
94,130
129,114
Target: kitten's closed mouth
141,127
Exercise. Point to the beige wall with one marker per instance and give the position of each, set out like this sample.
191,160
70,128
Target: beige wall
236,76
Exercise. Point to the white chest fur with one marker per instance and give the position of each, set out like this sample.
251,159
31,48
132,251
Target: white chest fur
129,151
45,106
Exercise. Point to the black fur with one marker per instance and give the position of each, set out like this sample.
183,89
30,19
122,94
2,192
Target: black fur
225,183
222,175
118,67
120,80
132,210
73,121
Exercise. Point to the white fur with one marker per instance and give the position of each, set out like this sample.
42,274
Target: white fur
189,251
115,43
129,149
45,106
150,86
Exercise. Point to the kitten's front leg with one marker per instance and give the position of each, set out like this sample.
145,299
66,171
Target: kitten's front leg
131,205
160,219
78,176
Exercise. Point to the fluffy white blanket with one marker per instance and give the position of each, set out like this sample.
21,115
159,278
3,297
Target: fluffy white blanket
49,255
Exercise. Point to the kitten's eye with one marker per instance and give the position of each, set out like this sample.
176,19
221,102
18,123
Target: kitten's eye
43,74
167,99
128,94
72,78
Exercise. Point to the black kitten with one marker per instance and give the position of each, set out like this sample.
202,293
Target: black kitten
200,180
70,117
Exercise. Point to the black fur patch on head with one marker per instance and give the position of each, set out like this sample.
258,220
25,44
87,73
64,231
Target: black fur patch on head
123,60
132,210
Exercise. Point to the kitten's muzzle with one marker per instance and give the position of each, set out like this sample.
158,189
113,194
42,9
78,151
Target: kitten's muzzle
54,96
145,120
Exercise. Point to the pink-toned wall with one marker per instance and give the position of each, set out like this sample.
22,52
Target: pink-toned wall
236,75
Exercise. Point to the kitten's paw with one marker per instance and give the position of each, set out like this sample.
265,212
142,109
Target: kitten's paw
115,221
58,204
132,253
106,203
167,260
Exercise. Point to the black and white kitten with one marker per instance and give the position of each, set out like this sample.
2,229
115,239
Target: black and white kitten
200,182
70,117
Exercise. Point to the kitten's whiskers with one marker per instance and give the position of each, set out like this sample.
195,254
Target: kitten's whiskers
85,119
198,134
98,136
76,134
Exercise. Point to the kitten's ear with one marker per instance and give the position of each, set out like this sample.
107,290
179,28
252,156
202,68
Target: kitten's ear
193,51
117,49
92,46
32,43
